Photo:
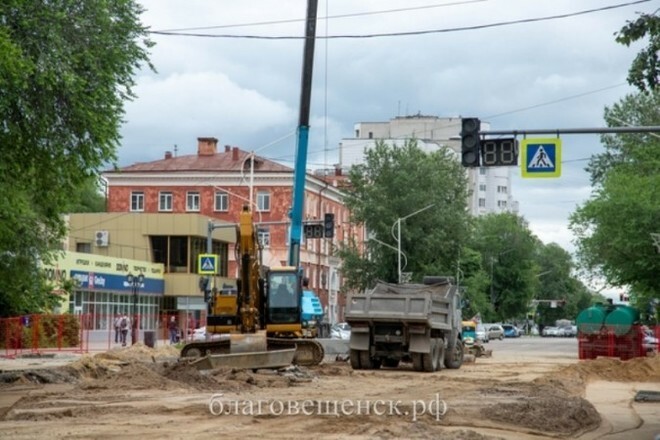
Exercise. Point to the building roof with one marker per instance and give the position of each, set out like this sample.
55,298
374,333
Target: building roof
231,159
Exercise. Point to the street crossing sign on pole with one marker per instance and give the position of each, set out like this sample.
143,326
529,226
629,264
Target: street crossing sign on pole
541,158
207,264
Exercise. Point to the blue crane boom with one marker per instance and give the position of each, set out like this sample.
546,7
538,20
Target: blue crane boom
302,142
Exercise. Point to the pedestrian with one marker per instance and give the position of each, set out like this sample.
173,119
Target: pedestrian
173,327
116,323
124,324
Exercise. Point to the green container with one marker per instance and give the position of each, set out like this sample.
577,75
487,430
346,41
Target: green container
621,320
590,320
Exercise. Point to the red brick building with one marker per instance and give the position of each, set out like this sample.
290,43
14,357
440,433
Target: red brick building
217,184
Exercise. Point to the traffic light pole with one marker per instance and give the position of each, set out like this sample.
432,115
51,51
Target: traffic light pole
558,131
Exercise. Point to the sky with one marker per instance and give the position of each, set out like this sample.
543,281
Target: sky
534,73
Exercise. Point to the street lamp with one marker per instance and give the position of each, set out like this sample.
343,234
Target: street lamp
397,223
135,282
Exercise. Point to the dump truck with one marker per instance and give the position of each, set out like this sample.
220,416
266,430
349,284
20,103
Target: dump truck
418,323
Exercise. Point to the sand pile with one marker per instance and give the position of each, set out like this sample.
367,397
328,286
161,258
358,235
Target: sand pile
573,378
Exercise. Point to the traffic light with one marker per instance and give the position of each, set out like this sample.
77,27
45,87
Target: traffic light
329,225
313,230
470,142
500,152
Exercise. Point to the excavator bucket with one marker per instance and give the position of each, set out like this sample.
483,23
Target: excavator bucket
247,351
247,360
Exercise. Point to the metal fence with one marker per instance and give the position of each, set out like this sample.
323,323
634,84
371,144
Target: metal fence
80,333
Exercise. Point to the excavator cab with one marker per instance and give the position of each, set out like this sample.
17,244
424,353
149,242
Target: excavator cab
284,301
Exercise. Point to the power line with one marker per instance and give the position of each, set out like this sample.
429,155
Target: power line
411,33
327,17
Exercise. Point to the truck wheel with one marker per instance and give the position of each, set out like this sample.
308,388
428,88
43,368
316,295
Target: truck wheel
431,360
417,360
355,359
366,361
454,355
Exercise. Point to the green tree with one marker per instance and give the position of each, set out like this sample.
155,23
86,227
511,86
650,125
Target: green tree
475,281
66,69
88,198
612,228
507,248
557,281
644,72
393,183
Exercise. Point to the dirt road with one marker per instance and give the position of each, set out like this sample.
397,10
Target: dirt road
516,394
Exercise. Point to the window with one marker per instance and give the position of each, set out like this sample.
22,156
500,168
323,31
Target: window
192,201
263,235
221,201
263,201
482,187
137,201
482,171
85,248
501,203
482,203
502,189
165,201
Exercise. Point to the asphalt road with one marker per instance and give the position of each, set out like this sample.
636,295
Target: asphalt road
533,347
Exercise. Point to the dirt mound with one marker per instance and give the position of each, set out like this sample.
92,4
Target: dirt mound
142,353
333,369
189,376
556,414
37,376
240,380
573,378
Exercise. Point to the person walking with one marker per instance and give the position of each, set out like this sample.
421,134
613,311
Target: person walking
116,323
124,325
174,329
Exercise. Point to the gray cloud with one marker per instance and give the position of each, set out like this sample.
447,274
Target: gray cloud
246,92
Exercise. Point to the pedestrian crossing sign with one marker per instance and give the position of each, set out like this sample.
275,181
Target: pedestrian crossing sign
207,264
541,158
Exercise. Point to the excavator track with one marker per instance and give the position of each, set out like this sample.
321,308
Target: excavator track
203,348
308,351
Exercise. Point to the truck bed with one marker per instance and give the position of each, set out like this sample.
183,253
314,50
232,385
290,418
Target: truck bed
431,305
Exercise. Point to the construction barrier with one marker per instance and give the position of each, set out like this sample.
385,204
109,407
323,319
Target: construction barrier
625,342
43,333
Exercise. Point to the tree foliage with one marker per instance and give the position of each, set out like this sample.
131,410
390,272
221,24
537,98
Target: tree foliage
66,69
557,280
613,227
507,249
644,73
391,184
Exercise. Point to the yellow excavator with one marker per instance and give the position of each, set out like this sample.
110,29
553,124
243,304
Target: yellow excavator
262,321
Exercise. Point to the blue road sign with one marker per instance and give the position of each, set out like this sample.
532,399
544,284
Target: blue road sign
541,158
207,264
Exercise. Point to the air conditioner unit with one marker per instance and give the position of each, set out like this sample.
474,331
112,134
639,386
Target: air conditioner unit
101,238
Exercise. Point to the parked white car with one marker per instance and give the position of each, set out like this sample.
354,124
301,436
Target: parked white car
551,331
482,334
341,330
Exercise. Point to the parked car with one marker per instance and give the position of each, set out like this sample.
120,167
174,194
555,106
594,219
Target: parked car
495,331
482,334
340,330
511,331
650,342
550,331
568,331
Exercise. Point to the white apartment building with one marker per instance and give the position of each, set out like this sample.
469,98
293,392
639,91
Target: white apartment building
490,187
